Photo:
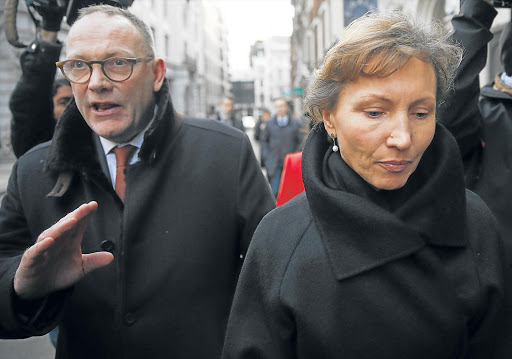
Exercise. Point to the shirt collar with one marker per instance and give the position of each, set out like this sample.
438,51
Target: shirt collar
136,141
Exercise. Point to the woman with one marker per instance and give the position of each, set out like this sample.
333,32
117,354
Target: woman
386,255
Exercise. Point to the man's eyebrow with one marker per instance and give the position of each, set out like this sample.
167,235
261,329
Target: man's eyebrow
117,53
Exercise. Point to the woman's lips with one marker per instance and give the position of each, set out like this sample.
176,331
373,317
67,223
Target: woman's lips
395,166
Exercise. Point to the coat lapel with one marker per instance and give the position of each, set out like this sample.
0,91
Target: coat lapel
358,234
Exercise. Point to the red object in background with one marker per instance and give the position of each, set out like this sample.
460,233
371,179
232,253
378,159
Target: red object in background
291,179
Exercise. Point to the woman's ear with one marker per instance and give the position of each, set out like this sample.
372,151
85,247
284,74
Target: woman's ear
328,123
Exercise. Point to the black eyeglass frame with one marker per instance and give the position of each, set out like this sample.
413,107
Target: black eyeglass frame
131,60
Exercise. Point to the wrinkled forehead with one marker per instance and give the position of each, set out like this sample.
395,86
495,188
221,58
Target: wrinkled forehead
104,30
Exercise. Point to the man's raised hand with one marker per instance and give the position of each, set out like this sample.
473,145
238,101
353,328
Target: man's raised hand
56,261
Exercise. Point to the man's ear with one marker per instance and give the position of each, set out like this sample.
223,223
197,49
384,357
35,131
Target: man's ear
159,70
329,122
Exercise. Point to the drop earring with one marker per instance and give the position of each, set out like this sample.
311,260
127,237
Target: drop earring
334,146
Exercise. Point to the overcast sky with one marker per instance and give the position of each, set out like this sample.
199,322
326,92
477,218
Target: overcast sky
250,20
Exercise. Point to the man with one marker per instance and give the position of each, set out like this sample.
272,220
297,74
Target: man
147,263
258,129
282,135
227,116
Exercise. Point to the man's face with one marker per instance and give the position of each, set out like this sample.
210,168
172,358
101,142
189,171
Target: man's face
61,99
227,106
281,107
117,111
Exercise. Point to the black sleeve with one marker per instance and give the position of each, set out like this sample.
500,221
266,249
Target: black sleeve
460,113
259,326
257,129
254,199
18,318
31,103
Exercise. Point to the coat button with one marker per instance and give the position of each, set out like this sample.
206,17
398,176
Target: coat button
107,246
129,319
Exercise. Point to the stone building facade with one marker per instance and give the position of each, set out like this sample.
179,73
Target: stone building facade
270,61
318,24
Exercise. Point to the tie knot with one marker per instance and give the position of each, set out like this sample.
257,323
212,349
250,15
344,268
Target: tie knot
123,154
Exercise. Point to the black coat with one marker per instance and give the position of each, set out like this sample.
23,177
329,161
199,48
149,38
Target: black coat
482,127
233,121
481,121
277,142
344,271
192,203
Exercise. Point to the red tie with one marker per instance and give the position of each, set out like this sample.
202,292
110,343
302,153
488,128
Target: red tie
123,155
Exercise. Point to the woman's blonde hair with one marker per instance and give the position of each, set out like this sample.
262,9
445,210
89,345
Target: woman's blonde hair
378,44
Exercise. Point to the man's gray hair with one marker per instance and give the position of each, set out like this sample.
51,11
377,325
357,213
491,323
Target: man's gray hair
109,10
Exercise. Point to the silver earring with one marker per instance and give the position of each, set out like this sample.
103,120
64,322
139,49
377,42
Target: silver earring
334,147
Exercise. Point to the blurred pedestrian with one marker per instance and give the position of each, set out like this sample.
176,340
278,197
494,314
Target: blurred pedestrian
386,255
140,218
282,135
228,116
258,129
261,124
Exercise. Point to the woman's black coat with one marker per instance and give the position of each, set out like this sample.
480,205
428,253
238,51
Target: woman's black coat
344,271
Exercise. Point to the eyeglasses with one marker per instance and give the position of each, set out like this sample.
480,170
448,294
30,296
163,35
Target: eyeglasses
115,68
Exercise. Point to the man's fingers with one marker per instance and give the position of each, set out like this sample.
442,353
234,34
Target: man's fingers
58,229
69,221
96,260
38,249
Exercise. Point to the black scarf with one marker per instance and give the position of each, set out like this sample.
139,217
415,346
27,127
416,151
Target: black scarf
361,227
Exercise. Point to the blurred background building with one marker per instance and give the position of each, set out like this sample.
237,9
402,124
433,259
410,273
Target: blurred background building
318,24
270,61
192,38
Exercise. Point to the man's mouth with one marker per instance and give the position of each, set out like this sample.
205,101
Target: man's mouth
104,106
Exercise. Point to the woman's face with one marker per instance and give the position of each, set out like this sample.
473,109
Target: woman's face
385,124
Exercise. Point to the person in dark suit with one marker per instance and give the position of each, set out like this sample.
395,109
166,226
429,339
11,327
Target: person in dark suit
128,230
386,254
227,116
282,135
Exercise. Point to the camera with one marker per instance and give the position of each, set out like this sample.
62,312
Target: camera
502,3
51,13
74,5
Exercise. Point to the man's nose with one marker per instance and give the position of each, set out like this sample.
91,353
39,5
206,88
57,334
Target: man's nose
98,80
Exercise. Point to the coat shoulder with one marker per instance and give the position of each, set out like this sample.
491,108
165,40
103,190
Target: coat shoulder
282,229
478,214
482,226
213,126
35,157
